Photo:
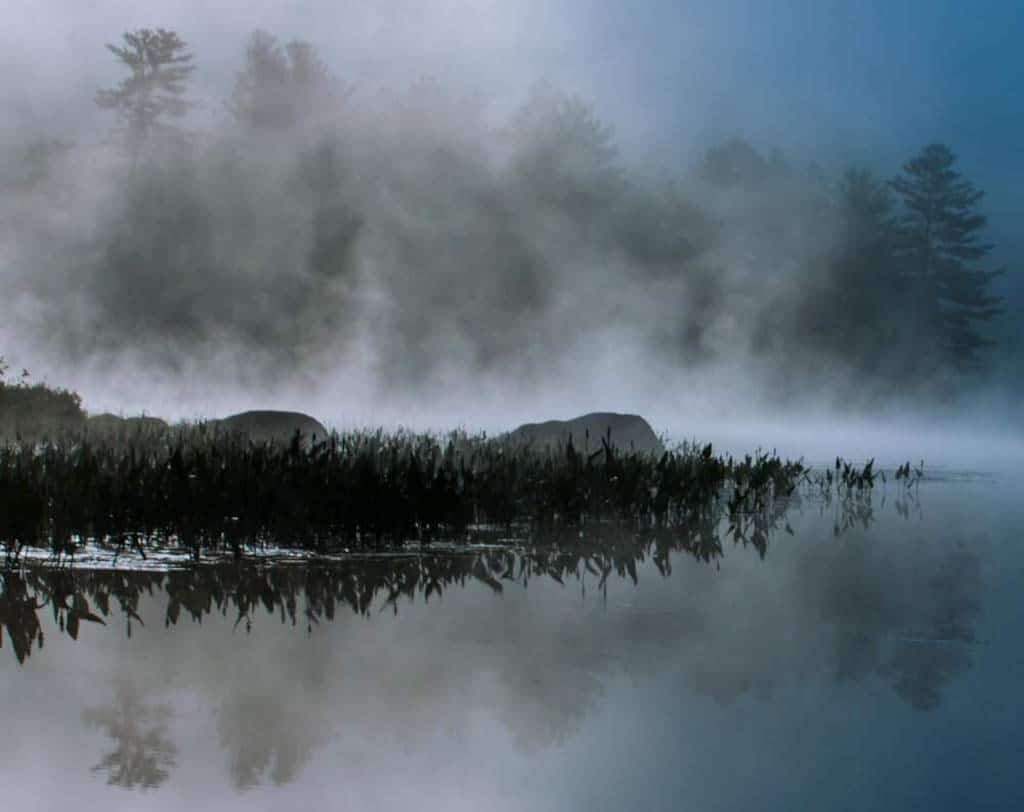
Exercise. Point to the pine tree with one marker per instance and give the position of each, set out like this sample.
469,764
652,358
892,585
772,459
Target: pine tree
941,233
866,288
160,67
738,164
564,154
278,88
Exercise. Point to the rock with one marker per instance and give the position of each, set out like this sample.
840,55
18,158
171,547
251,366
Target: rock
273,426
629,432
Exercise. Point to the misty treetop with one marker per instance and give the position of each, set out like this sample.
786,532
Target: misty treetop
419,233
278,87
160,67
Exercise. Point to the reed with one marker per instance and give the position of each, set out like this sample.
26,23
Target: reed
208,491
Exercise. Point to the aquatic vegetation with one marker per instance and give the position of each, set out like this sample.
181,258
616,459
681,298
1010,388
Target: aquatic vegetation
206,490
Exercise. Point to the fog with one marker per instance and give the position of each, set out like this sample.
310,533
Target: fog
466,213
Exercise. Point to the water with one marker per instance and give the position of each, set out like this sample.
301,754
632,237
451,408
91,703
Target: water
877,669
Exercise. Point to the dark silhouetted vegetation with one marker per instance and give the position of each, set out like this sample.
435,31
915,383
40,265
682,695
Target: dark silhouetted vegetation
204,490
32,411
941,245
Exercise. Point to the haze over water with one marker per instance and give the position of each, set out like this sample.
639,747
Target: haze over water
876,669
473,214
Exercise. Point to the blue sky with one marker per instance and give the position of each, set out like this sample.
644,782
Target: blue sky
865,81
834,81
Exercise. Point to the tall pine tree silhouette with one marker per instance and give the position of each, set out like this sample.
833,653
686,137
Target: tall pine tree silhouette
941,237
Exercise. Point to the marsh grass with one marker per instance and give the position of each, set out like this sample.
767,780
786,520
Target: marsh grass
203,490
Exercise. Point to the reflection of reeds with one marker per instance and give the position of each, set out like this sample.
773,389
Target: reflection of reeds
308,594
208,491
846,585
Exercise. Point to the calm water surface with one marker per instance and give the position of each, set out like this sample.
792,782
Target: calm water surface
880,668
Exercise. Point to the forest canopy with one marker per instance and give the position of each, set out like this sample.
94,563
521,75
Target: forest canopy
413,231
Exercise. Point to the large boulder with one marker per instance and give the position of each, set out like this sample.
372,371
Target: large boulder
629,432
273,426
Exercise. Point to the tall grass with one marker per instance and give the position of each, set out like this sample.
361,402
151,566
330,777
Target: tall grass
205,490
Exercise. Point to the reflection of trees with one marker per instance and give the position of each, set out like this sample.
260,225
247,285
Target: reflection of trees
550,705
907,619
265,737
143,754
941,621
727,683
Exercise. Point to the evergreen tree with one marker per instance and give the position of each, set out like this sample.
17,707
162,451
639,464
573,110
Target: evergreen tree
738,164
941,248
160,67
563,152
864,290
278,88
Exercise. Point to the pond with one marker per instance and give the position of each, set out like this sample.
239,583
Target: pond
868,661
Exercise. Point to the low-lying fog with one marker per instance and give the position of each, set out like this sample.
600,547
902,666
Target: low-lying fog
466,214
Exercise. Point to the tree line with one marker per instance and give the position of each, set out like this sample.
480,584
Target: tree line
884,279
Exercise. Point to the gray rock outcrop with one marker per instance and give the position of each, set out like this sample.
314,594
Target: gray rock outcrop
263,426
628,432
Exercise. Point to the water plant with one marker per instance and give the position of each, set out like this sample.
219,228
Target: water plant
206,490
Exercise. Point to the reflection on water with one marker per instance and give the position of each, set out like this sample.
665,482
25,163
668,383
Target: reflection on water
922,609
143,755
305,675
360,582
266,739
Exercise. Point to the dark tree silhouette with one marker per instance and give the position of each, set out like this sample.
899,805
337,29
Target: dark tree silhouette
940,248
160,67
851,307
279,86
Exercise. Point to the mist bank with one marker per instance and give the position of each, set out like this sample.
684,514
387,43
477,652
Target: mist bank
412,256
